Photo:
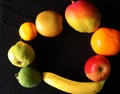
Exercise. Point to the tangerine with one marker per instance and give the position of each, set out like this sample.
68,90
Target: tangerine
106,41
27,31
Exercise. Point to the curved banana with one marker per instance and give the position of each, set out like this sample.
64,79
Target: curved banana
71,86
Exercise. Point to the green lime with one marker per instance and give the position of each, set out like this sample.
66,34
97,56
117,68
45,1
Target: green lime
29,77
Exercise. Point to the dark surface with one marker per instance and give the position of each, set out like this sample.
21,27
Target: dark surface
64,54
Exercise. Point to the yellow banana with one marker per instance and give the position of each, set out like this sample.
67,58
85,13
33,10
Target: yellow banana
71,86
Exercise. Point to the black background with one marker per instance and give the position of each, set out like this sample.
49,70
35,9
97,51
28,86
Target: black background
64,55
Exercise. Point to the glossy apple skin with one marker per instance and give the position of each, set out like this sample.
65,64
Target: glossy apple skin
97,68
83,16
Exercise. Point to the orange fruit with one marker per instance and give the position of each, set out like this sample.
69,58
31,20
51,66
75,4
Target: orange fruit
106,41
27,31
49,23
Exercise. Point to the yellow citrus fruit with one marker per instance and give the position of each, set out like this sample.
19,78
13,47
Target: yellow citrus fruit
49,23
27,31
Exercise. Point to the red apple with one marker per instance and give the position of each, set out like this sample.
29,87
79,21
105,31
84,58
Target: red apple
83,16
97,68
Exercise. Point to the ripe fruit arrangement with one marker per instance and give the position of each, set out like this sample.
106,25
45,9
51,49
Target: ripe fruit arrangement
50,24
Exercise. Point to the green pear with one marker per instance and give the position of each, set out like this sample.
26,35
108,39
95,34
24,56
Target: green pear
21,54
